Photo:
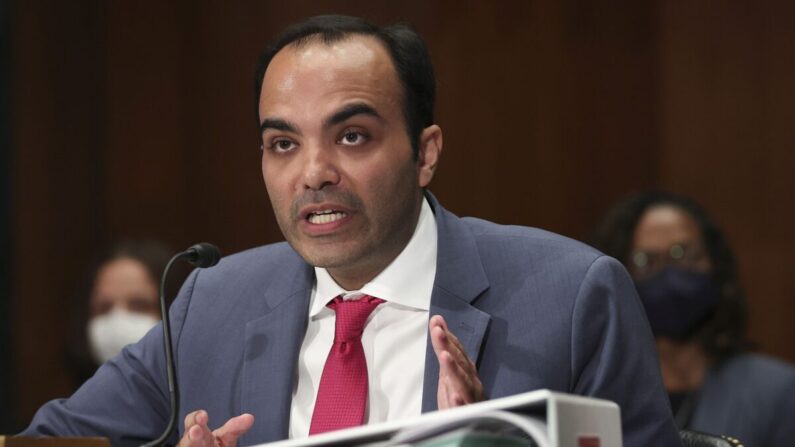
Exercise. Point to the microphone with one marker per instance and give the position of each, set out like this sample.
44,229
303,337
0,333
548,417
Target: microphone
201,255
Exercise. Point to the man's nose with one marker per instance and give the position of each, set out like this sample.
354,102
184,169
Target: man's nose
320,169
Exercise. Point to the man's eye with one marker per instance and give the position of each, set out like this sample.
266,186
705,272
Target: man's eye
352,138
282,145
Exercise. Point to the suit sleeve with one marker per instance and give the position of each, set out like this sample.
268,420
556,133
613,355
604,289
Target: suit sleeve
782,416
127,399
614,357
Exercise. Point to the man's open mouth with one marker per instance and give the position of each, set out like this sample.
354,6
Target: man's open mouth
325,216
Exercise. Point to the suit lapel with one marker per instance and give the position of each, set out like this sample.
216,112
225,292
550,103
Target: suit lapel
460,279
273,342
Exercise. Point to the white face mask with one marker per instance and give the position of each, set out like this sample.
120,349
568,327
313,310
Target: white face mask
109,333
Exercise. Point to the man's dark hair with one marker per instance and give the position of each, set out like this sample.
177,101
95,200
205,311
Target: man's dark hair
407,49
723,333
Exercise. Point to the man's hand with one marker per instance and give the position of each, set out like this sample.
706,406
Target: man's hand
459,383
198,434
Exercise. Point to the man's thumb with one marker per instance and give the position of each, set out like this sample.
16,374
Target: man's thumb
234,428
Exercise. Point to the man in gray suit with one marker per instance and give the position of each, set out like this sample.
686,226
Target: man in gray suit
459,310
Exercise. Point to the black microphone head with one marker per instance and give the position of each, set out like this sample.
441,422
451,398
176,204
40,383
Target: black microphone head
203,254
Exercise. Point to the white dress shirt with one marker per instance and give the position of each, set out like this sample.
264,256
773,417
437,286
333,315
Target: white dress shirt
394,337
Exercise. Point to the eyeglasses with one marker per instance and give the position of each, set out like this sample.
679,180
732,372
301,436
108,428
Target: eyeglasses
647,263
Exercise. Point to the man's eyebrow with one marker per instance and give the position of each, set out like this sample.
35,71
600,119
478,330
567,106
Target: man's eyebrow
277,124
350,110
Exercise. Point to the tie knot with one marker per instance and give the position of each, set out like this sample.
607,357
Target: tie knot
351,316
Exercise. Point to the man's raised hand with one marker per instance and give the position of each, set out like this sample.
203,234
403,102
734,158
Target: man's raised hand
459,383
198,434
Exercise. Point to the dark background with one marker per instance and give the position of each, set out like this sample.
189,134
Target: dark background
6,377
136,119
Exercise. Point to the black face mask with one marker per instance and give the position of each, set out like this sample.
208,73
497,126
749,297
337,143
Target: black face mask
677,301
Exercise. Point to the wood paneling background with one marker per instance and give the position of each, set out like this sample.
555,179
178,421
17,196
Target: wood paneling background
6,373
136,119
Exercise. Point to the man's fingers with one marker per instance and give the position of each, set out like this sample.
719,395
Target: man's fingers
229,433
442,339
438,340
460,356
441,344
437,330
197,434
438,320
464,387
459,353
448,370
459,383
441,394
195,417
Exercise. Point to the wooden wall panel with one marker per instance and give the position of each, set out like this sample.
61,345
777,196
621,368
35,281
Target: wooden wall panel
146,149
536,119
728,140
59,192
6,213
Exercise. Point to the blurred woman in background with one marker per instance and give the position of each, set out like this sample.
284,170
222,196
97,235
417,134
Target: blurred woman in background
122,304
686,277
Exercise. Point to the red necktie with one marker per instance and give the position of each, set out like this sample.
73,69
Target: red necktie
342,395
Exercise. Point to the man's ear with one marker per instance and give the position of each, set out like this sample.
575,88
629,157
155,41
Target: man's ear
429,153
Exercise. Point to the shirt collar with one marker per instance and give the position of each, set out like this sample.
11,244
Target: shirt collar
407,281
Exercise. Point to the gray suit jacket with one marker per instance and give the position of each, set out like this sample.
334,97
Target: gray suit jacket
533,309
750,397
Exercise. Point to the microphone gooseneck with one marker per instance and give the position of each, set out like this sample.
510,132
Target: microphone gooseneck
201,255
